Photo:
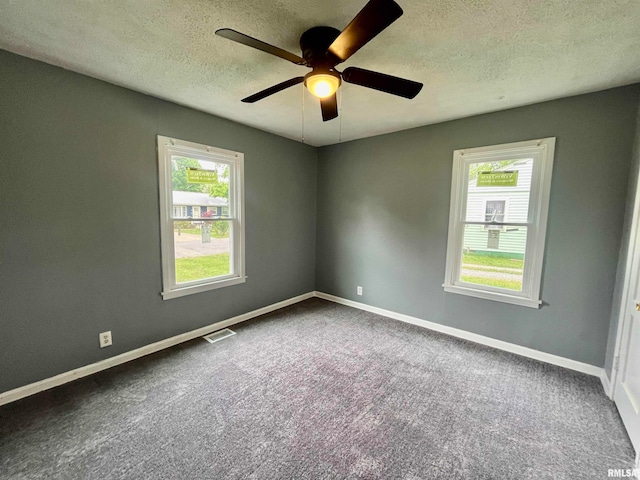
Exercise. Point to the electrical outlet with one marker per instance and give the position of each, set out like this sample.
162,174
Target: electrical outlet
359,290
105,339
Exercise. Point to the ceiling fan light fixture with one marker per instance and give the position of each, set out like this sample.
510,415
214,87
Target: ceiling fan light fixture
325,47
322,84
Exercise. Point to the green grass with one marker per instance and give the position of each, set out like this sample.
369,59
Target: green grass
486,260
509,284
197,268
487,269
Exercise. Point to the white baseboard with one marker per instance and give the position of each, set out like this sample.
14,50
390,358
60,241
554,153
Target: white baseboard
606,384
27,390
473,337
47,383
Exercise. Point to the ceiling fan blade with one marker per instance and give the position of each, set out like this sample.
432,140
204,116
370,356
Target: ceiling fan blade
260,45
381,81
271,90
372,19
329,108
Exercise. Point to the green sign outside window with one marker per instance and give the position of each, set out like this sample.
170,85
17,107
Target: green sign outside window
497,179
196,175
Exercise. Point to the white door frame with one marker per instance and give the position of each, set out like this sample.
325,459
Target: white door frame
632,265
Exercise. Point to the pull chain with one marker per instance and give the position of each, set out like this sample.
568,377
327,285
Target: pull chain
302,114
340,115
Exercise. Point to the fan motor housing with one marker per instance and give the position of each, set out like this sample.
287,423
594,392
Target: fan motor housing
314,44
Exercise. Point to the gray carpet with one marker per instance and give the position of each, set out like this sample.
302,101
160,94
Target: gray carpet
319,391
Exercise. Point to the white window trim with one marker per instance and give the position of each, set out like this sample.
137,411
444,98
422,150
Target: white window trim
542,151
168,146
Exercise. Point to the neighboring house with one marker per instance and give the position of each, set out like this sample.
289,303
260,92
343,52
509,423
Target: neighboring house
501,204
190,205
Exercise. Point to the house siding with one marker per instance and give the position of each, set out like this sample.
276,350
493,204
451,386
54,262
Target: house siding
511,239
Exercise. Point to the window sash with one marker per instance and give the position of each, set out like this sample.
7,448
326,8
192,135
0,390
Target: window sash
527,279
232,264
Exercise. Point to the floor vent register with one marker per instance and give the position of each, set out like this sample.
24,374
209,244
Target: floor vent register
219,335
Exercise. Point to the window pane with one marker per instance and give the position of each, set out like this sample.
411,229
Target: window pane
493,256
202,249
200,188
499,191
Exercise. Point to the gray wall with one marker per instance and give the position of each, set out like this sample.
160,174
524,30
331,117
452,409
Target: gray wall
624,246
383,208
79,220
79,228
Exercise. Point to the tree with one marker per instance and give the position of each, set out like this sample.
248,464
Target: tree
220,187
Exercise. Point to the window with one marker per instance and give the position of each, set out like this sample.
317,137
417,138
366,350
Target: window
498,221
180,211
200,251
494,211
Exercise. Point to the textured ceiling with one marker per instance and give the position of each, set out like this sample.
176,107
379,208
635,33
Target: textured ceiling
473,56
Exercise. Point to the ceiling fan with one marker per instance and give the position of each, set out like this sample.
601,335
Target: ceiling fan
325,47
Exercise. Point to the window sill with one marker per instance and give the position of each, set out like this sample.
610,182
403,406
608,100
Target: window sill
496,297
202,287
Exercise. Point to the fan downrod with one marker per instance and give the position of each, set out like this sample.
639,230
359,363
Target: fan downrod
315,43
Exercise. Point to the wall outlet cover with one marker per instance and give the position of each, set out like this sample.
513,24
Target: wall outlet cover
105,339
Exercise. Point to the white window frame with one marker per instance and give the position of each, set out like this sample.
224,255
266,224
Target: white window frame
542,152
167,147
